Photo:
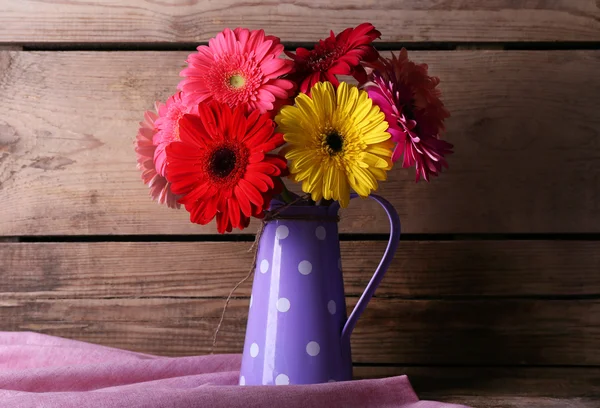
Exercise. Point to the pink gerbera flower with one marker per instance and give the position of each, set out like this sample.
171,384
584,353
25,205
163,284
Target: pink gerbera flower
411,102
336,55
167,125
160,188
238,68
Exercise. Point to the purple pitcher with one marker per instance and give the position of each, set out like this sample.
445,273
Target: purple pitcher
297,328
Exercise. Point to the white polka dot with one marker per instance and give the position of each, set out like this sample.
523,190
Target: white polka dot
282,379
332,380
242,380
254,350
264,266
305,267
331,306
250,300
340,263
283,305
313,348
282,232
320,232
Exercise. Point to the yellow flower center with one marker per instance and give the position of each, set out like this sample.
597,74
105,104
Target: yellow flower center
237,81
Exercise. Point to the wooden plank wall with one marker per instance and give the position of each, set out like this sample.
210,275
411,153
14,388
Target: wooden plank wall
494,297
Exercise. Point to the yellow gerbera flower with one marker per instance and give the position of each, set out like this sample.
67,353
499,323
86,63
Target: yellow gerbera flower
337,141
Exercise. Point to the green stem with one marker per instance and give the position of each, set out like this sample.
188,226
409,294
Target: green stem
286,195
325,203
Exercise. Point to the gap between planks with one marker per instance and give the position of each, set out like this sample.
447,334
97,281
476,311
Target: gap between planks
291,46
237,237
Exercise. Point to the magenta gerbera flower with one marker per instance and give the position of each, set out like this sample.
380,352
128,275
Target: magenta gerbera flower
238,68
409,97
160,188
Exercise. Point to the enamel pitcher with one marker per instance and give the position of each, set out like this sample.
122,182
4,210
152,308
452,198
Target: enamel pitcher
297,329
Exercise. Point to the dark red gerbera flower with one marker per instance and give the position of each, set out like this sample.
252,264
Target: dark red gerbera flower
336,55
221,166
410,99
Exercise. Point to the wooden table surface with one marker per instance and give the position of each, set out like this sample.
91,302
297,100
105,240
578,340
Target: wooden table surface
494,297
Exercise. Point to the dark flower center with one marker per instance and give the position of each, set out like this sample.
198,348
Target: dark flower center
222,162
407,111
323,56
335,142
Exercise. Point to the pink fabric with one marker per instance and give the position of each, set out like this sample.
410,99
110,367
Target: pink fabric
43,371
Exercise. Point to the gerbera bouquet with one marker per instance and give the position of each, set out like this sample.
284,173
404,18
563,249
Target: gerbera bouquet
213,146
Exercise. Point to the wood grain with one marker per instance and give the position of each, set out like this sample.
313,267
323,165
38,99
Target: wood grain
487,401
31,21
497,387
204,269
67,164
526,382
482,332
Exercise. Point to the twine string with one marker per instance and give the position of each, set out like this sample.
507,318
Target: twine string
269,216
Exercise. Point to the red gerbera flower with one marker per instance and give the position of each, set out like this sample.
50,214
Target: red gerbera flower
160,188
221,165
336,55
411,102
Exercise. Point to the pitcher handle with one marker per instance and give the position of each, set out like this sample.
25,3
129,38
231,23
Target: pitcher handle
384,264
